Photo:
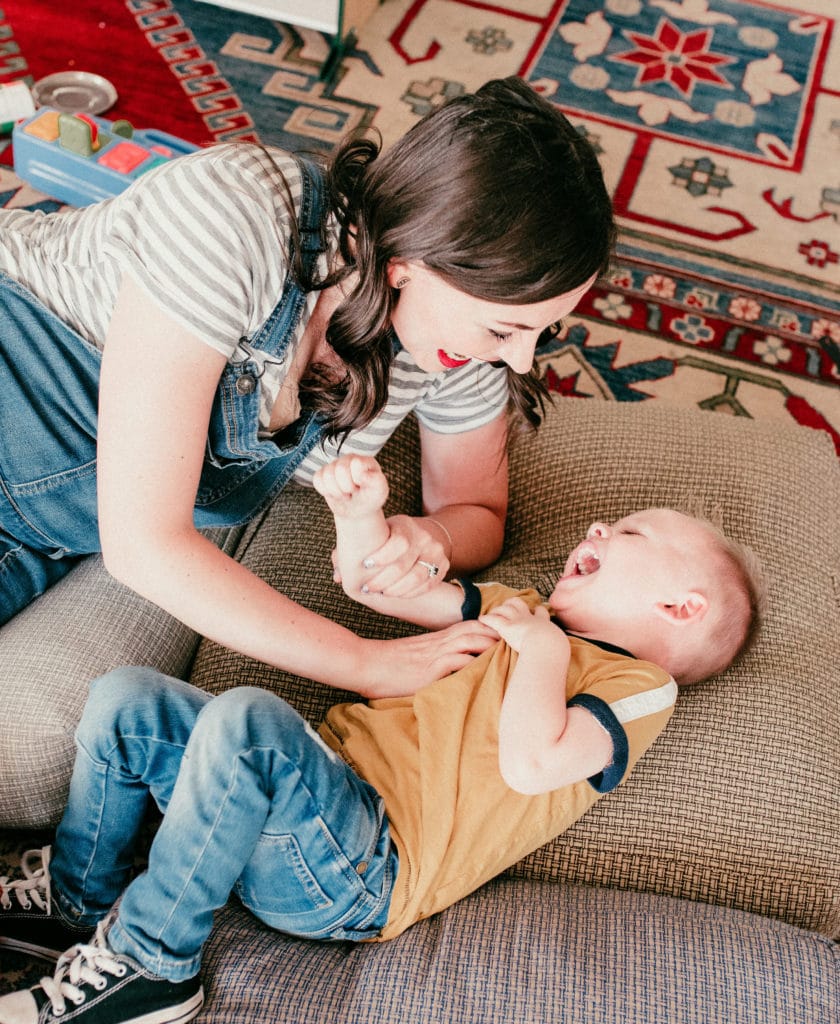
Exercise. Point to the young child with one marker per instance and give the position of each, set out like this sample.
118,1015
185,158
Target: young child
448,787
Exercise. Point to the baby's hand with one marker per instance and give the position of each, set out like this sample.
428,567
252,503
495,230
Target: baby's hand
514,621
352,485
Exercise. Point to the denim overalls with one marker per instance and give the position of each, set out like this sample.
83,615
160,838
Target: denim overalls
49,390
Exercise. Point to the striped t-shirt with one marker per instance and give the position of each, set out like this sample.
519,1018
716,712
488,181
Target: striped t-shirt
206,236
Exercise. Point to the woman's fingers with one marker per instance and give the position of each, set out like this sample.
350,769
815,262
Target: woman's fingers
411,561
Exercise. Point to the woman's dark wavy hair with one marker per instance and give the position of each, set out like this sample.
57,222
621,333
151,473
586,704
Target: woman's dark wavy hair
494,191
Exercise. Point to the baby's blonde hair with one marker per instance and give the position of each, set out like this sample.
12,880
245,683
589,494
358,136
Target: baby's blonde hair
735,621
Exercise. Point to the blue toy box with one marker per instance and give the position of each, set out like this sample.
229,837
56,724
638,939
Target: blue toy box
80,159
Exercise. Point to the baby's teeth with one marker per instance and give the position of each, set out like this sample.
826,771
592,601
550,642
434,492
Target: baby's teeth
588,563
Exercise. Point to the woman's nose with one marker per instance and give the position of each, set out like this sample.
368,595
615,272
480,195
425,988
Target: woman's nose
519,354
598,530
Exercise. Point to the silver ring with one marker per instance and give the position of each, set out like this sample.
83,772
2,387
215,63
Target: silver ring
433,569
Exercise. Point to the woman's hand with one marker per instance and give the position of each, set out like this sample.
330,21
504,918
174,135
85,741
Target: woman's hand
465,491
399,668
412,560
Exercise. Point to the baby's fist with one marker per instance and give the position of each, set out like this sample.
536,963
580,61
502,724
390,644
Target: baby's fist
514,621
352,485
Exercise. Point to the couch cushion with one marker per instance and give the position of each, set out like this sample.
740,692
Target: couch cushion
528,952
83,626
736,803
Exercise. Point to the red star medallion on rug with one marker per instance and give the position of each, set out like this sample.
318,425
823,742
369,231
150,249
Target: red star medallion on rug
680,58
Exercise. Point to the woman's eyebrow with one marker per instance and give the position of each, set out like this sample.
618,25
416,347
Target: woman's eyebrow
519,327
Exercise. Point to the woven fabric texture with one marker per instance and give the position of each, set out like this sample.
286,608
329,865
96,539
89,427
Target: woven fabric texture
736,803
534,952
84,626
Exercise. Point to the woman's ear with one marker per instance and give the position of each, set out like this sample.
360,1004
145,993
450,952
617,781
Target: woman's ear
398,271
689,607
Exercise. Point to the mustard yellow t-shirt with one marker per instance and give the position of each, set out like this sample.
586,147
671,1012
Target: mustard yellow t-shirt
434,759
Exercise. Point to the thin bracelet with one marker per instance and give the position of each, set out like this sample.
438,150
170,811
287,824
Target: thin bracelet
446,533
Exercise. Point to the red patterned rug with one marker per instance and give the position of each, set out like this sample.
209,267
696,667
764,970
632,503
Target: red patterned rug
717,123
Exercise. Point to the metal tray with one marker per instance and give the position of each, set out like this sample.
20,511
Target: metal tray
75,92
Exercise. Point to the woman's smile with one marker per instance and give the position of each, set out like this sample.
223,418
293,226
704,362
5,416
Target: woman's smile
452,359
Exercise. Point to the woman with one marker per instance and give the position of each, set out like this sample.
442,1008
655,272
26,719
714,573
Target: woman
173,356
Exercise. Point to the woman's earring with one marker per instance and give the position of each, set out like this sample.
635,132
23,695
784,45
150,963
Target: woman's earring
403,281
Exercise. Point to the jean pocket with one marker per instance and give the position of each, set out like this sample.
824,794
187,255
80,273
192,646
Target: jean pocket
306,886
279,881
56,513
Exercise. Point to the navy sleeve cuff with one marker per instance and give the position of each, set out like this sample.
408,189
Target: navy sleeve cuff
610,777
471,607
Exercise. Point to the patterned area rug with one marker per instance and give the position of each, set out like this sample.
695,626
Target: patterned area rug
717,123
16,969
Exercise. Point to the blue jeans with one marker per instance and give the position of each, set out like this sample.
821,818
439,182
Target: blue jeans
253,801
49,382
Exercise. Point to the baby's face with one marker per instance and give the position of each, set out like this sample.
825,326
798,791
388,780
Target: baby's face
621,572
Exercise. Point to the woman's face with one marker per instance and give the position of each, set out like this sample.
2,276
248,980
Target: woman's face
442,327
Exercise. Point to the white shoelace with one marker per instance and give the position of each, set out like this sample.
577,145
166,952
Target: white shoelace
82,965
35,885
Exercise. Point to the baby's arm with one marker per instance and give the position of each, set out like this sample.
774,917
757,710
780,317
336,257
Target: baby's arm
355,488
543,745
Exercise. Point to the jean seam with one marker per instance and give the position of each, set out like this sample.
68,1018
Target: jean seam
6,559
13,505
102,772
172,970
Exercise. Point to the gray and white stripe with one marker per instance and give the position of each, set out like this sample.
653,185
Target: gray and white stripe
454,402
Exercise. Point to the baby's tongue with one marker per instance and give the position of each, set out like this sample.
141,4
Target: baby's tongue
588,563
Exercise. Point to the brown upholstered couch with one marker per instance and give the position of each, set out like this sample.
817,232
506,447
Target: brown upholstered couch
705,889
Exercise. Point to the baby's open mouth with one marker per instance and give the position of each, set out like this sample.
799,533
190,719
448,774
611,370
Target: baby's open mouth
586,561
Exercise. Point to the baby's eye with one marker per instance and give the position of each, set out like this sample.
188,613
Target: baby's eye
500,335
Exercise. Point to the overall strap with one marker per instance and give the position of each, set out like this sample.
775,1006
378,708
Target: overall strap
243,472
274,335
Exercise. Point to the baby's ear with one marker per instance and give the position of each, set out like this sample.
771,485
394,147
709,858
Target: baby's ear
689,607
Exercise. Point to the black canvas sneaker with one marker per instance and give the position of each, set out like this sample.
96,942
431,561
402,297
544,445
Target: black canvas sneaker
94,985
29,920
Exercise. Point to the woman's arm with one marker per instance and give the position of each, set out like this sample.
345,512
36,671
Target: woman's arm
465,499
156,393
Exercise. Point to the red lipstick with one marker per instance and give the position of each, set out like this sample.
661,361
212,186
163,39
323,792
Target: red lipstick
448,361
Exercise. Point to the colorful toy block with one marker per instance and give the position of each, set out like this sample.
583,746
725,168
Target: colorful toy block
80,159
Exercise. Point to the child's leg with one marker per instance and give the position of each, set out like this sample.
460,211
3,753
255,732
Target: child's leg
130,742
260,801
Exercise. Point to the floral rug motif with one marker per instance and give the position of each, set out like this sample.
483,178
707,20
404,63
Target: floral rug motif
717,123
